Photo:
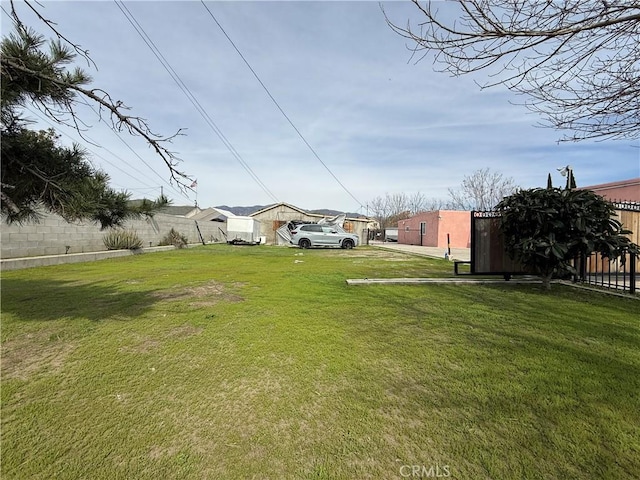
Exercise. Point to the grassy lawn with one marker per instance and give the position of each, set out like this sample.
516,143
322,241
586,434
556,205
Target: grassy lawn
224,362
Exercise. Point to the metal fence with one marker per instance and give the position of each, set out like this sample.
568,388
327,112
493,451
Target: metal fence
618,274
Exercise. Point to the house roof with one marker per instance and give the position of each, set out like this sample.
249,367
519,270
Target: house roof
179,210
213,215
301,211
623,190
281,204
611,185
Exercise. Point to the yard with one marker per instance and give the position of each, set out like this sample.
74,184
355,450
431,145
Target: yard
223,362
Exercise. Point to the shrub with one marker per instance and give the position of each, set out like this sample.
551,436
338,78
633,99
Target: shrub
122,240
545,229
174,238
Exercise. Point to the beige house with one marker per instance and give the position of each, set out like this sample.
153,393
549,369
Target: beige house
275,216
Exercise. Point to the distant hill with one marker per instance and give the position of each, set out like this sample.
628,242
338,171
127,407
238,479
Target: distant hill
245,211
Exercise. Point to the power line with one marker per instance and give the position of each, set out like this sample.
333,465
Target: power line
315,154
93,142
8,15
137,155
192,98
85,147
137,179
87,138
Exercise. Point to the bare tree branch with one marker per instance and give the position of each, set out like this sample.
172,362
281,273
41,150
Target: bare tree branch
576,62
481,190
391,208
52,26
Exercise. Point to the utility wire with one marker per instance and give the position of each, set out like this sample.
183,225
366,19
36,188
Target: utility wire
194,101
137,155
100,146
93,142
42,118
278,105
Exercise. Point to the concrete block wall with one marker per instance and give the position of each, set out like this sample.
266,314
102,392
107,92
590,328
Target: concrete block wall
55,236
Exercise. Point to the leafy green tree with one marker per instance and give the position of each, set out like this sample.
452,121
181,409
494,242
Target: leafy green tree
545,229
37,172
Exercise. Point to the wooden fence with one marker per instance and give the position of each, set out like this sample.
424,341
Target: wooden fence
488,255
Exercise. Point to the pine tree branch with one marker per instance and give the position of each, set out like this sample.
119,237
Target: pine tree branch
134,125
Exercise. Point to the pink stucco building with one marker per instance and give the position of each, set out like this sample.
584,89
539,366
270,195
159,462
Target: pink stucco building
624,190
430,229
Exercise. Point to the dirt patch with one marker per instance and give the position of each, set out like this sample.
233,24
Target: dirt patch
204,295
159,451
149,344
184,331
145,346
387,255
25,355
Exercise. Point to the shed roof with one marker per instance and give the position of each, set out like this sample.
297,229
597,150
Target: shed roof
179,210
213,214
276,205
301,211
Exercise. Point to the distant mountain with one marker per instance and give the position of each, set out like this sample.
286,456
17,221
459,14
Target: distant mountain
244,211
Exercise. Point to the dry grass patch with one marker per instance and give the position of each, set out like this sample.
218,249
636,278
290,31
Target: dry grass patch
205,295
145,345
184,331
378,254
30,353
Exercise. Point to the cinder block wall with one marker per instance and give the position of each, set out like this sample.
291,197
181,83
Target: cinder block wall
52,235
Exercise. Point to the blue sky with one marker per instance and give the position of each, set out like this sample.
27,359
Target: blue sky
379,121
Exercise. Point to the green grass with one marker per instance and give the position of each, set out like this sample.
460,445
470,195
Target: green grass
225,362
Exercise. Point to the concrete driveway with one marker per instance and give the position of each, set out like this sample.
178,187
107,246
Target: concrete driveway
462,254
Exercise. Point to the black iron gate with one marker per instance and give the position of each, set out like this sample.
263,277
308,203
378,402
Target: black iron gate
617,274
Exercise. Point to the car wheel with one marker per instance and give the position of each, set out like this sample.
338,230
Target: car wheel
304,243
347,244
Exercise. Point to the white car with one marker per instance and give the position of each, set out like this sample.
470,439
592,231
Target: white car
313,235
